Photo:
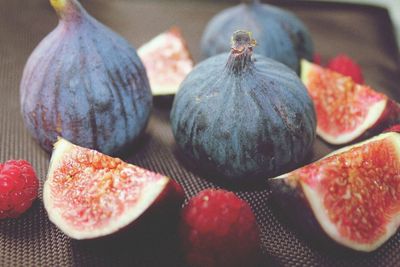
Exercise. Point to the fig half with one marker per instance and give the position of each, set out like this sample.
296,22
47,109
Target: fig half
352,195
346,111
167,60
89,195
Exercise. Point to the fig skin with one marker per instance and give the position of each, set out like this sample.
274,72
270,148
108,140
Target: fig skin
85,83
281,35
243,118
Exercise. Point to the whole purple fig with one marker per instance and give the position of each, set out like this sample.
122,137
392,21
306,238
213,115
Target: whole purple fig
243,116
85,83
281,34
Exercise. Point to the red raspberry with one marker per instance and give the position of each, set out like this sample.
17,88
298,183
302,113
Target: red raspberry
393,128
346,66
317,59
18,188
219,229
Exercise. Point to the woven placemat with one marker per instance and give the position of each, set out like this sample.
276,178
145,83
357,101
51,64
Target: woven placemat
363,32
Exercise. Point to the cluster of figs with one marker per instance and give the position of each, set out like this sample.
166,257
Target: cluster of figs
243,113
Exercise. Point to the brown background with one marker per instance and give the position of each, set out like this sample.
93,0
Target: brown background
363,32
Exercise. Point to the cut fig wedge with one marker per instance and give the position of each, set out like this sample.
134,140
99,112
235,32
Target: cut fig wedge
346,110
88,195
352,195
167,61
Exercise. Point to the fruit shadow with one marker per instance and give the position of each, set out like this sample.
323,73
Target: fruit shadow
134,247
32,227
134,147
163,102
8,226
256,183
149,240
216,178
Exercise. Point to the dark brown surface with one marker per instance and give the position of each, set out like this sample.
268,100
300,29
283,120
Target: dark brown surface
363,32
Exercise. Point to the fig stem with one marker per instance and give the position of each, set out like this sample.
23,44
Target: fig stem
242,45
242,40
67,9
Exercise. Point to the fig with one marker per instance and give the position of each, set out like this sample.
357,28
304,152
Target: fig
243,116
85,83
351,196
89,195
167,61
282,35
346,111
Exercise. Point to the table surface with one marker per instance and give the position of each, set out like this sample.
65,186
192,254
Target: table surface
393,6
363,32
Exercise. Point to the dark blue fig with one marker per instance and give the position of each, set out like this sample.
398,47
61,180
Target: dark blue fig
282,36
243,116
85,83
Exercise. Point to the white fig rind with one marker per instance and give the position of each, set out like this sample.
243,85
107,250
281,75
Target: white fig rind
376,113
320,212
148,196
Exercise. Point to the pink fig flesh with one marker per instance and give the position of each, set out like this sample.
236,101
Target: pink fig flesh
354,193
90,195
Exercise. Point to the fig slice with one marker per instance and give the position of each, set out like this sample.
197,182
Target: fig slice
346,111
167,61
352,195
89,195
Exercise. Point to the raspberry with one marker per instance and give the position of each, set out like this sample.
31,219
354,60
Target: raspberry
393,128
219,229
18,188
317,59
346,66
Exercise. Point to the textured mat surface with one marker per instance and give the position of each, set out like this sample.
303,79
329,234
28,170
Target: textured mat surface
363,32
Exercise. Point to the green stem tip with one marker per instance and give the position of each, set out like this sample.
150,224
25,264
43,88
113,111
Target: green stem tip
67,9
